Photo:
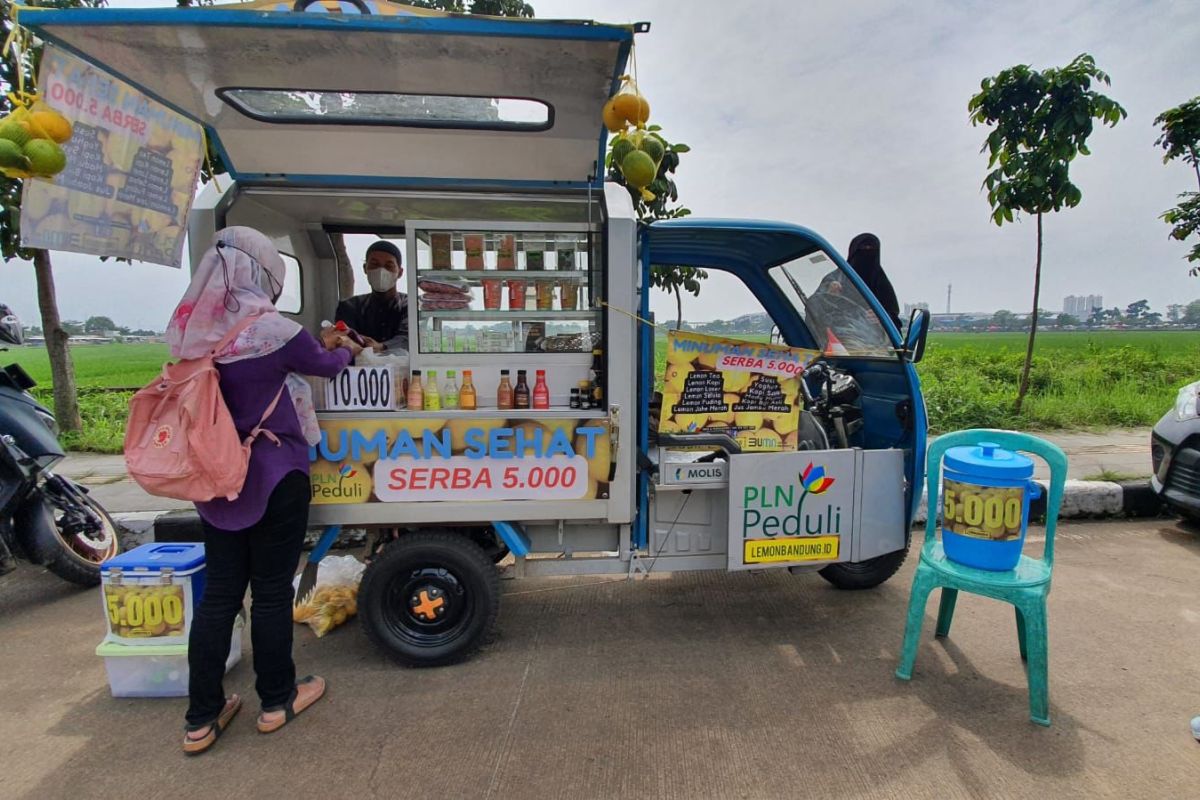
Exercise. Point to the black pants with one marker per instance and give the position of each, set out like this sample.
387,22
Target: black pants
265,557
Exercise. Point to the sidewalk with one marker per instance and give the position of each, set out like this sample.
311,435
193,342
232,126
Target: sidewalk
1124,451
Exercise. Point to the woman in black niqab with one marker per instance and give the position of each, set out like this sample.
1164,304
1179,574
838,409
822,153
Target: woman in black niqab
863,257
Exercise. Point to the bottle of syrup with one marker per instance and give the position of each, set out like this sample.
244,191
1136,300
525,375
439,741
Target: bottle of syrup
416,394
466,395
504,393
521,391
597,379
541,392
433,398
450,390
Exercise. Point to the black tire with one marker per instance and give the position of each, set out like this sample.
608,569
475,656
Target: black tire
864,574
52,546
428,567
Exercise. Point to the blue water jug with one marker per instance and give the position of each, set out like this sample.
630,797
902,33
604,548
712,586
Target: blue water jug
986,492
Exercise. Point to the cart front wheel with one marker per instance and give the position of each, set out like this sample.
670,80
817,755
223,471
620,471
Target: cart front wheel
430,599
864,574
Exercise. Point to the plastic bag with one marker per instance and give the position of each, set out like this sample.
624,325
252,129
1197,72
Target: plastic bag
29,140
335,597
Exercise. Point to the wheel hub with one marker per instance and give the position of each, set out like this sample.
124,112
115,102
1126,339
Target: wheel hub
428,603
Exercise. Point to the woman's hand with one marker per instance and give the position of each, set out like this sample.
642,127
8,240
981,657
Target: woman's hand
330,338
350,344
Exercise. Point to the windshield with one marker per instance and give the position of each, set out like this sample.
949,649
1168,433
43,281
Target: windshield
839,317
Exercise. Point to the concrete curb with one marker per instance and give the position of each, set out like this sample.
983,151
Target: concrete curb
1081,500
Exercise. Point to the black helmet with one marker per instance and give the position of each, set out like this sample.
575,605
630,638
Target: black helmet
10,326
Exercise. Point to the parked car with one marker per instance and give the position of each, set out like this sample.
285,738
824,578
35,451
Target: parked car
1175,454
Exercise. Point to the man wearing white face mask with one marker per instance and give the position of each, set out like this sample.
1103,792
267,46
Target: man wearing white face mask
381,316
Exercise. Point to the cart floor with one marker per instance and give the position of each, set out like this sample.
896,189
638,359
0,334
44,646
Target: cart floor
684,685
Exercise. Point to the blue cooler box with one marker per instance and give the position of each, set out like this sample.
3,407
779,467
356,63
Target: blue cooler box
986,492
149,593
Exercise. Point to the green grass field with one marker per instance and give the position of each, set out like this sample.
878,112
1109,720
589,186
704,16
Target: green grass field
1080,380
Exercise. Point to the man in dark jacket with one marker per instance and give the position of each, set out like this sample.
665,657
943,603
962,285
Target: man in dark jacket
381,316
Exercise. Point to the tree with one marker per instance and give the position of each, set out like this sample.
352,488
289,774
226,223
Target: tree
1191,314
1041,121
1174,312
493,8
1135,311
674,279
1004,319
21,66
1066,321
1180,138
99,325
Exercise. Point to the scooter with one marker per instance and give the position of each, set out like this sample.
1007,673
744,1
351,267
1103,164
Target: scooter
44,518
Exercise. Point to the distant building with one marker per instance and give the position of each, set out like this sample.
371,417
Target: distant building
911,307
1081,306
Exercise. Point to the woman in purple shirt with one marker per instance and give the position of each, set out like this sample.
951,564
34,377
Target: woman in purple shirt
255,539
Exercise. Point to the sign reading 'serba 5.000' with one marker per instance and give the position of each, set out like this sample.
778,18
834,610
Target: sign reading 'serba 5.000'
471,459
748,390
791,508
132,165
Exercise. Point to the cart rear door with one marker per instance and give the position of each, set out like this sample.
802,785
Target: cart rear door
316,98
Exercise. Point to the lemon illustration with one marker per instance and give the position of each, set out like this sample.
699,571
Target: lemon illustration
639,169
45,157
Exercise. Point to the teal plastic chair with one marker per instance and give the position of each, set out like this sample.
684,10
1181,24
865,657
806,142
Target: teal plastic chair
1025,587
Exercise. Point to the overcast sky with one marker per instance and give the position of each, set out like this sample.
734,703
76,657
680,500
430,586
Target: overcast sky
851,116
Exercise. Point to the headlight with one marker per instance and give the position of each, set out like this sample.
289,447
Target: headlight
1185,402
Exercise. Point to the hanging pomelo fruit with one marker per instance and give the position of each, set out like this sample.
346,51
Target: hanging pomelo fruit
639,169
652,146
51,124
632,107
621,147
612,120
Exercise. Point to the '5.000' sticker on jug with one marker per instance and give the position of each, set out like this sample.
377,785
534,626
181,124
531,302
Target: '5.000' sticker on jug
984,512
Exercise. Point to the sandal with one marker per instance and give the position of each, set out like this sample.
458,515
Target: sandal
194,747
290,709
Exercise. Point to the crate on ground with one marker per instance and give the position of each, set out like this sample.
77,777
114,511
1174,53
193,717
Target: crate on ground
149,593
156,670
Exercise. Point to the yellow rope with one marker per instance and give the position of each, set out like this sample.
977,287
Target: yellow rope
629,314
204,143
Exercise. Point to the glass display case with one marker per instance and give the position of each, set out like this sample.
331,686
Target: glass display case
492,296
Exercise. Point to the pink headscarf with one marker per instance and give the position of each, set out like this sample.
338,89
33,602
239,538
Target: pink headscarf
238,277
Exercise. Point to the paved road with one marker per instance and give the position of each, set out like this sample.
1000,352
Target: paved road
1124,451
689,686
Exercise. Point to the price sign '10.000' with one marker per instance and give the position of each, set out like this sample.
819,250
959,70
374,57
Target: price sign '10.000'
361,389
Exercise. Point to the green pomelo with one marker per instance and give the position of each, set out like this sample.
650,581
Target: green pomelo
621,148
11,155
14,132
653,147
45,157
639,169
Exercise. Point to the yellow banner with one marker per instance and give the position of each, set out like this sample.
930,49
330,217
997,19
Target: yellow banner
416,459
132,166
748,390
808,548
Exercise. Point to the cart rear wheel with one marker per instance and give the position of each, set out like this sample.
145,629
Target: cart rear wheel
430,599
864,574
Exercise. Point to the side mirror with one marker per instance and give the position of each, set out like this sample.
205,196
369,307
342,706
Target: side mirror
915,335
776,336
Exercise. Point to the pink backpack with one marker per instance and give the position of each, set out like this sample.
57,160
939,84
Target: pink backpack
180,440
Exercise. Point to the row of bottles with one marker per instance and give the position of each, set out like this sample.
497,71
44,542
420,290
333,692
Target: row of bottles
426,395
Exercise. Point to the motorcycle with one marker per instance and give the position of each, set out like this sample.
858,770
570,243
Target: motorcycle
44,518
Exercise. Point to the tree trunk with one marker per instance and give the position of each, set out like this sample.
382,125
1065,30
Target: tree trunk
62,370
678,308
1033,320
345,270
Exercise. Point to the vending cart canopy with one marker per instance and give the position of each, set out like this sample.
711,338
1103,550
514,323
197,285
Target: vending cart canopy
349,99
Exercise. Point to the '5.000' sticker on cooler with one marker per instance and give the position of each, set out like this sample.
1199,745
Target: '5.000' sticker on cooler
465,478
985,512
